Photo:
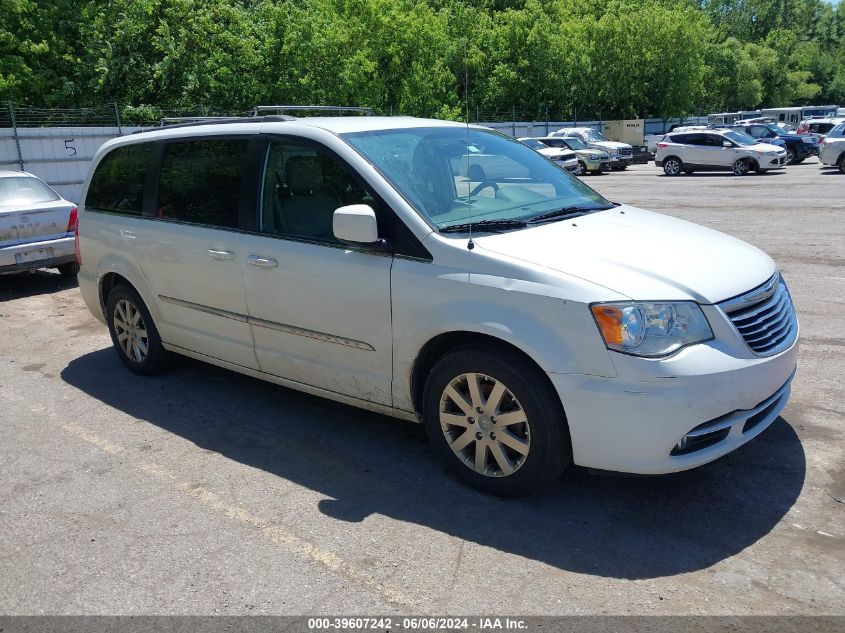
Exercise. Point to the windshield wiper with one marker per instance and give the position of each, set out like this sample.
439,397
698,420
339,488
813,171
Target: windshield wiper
484,225
565,212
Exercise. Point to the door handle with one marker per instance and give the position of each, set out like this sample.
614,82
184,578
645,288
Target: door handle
262,262
221,254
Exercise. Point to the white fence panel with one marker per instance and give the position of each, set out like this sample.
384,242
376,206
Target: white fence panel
60,156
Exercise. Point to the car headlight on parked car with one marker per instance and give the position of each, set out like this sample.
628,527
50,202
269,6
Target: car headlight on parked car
651,329
595,156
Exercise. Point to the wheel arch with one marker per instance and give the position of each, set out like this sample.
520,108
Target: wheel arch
438,346
115,270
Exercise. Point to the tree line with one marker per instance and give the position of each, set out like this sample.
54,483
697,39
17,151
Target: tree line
541,58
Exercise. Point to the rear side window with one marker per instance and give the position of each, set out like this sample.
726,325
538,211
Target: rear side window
837,132
118,182
24,190
200,181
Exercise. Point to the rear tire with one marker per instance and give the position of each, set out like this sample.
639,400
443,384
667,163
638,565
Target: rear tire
69,270
581,169
791,157
133,333
842,164
510,447
673,166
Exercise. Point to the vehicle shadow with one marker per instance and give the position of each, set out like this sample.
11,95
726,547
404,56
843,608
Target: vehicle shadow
28,284
621,527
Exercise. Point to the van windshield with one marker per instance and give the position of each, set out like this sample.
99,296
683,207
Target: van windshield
454,175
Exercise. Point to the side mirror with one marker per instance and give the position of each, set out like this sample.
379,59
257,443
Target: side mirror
727,144
356,224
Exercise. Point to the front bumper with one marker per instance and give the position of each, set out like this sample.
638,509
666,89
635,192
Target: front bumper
32,255
635,422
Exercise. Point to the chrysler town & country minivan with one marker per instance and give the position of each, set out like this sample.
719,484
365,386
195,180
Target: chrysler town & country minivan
526,320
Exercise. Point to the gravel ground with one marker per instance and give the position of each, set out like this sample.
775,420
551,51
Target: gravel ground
201,491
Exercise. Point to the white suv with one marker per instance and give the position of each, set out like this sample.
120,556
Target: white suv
716,150
516,317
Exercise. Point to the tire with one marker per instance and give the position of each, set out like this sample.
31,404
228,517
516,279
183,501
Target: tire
673,166
841,164
126,314
791,156
581,169
69,270
798,161
740,167
537,448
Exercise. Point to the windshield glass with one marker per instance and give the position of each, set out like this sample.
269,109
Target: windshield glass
593,135
452,175
533,143
776,130
740,138
574,143
24,190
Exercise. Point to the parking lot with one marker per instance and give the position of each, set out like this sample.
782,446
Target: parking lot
202,491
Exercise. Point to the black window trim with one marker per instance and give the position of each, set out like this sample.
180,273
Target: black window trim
404,244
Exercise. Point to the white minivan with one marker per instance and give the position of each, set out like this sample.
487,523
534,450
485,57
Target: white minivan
527,321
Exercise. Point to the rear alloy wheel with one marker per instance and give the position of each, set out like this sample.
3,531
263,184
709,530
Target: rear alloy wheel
740,167
581,169
842,164
492,418
673,166
133,332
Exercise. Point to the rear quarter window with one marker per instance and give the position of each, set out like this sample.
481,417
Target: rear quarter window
117,185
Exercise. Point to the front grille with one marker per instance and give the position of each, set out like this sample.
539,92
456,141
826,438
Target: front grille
764,317
626,151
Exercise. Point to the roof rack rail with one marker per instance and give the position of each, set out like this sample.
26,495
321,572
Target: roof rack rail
305,108
211,120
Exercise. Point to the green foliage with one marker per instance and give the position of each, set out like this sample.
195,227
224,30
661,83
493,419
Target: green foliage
445,58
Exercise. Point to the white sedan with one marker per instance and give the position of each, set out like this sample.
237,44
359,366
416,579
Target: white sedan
37,226
566,158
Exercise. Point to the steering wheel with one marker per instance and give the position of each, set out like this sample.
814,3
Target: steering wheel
483,185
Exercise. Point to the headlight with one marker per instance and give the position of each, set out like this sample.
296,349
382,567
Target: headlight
650,329
595,156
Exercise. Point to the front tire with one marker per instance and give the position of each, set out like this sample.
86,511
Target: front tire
740,167
791,156
842,164
673,166
495,421
133,333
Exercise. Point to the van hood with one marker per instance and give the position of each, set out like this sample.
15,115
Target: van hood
643,255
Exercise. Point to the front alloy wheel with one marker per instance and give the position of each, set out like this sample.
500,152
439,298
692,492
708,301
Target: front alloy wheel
484,425
740,167
495,420
791,156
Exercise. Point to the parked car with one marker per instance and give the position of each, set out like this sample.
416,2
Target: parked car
527,322
590,161
818,127
798,148
832,149
621,154
716,150
564,157
36,226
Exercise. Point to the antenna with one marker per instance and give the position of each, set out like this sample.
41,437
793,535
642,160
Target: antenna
470,244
